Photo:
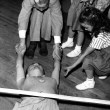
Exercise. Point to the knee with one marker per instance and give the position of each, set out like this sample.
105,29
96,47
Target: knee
86,63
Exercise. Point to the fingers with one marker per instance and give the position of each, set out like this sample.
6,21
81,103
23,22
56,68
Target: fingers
20,49
57,53
68,71
65,75
16,47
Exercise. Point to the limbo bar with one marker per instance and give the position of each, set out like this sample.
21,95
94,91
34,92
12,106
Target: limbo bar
54,96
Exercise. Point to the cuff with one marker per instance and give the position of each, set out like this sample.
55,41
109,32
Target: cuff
57,39
22,33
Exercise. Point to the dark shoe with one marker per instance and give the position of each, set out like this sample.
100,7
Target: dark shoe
43,48
31,49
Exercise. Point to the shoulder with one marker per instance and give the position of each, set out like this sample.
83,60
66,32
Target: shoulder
103,36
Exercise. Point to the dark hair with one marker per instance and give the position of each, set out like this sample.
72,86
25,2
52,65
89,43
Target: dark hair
95,18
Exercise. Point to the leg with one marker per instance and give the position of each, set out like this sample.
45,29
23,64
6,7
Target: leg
31,49
71,21
89,70
76,52
80,38
35,26
43,47
89,83
69,42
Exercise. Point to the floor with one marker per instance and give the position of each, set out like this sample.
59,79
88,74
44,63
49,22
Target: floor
9,10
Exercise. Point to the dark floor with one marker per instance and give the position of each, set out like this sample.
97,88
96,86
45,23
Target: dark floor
9,10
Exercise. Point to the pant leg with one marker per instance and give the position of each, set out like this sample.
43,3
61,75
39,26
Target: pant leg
56,20
92,62
35,25
46,26
72,12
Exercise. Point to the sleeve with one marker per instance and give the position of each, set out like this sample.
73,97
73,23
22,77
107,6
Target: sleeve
22,33
98,42
56,19
23,18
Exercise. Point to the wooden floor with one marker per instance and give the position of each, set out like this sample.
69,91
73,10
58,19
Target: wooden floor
9,10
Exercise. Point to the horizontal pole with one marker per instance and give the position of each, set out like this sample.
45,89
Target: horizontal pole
54,96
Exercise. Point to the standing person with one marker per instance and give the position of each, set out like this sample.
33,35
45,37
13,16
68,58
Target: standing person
96,58
45,17
36,81
74,26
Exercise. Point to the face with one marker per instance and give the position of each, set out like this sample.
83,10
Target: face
87,27
35,70
40,3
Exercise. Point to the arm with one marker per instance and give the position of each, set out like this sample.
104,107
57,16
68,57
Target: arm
19,67
57,23
24,15
23,20
96,43
56,71
81,58
87,52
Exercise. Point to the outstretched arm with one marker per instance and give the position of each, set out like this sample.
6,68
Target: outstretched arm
23,20
57,60
19,66
80,59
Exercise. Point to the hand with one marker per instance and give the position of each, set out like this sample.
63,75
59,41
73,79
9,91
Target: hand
20,49
57,52
68,70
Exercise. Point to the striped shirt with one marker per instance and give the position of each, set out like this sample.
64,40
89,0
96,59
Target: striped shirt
102,41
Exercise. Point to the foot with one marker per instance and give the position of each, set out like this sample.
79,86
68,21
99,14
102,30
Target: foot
31,49
86,85
67,44
30,53
43,48
102,77
74,53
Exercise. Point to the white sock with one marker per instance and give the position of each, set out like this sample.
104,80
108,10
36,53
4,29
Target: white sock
88,79
70,39
77,47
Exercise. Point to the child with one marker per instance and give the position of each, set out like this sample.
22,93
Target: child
74,26
96,57
99,4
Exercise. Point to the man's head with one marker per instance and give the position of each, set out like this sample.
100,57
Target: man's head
42,4
35,70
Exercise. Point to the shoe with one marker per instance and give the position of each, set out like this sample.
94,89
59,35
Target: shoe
67,44
31,50
102,77
88,84
43,48
74,53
